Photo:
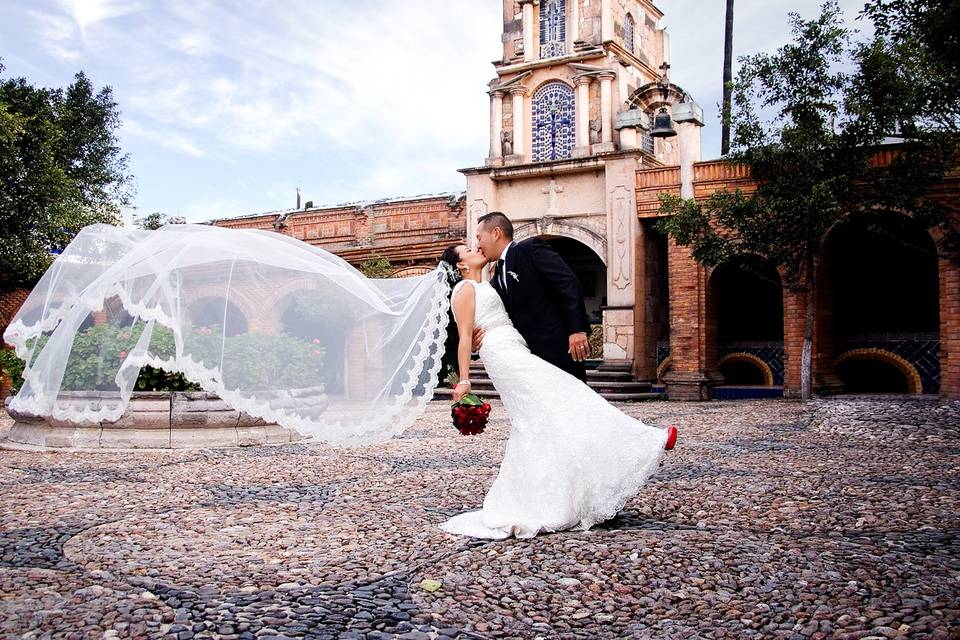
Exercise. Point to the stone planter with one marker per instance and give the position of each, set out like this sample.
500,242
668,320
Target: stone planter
153,420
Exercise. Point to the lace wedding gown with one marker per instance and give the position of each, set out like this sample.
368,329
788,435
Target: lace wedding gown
572,459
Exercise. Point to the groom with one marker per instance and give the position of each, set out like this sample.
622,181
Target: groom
540,292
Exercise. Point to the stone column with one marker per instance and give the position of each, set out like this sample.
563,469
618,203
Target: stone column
606,20
688,378
574,28
581,146
606,113
496,127
529,30
606,106
794,307
519,121
622,230
824,379
949,329
688,118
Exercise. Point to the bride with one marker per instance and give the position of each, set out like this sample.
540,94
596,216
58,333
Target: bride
572,459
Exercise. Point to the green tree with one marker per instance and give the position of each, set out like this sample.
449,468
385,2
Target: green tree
61,169
376,267
727,79
807,133
155,220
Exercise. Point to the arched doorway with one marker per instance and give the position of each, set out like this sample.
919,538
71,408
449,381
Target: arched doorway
745,318
884,310
314,317
592,274
216,311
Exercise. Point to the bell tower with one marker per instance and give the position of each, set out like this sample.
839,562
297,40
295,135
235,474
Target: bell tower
579,78
582,98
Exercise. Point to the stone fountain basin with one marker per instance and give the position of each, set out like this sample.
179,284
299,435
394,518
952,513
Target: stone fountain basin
153,420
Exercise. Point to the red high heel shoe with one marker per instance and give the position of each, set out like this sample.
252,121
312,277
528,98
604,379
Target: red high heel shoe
671,437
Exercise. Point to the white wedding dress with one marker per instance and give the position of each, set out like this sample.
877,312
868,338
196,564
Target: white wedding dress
572,459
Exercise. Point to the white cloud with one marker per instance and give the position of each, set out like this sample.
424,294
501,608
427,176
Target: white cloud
167,139
87,12
350,76
193,44
56,35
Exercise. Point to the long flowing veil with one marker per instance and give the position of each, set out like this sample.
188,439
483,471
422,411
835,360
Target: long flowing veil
278,328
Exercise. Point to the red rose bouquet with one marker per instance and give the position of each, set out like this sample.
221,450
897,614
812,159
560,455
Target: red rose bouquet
470,414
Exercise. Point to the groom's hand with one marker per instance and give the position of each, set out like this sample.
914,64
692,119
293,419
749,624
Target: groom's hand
477,338
579,347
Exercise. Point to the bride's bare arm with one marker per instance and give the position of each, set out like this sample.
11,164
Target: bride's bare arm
464,309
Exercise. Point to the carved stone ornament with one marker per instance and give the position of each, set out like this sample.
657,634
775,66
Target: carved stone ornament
506,142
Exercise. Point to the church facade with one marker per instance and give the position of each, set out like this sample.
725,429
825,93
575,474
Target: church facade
578,156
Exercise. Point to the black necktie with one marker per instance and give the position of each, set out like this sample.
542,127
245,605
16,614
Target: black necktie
501,275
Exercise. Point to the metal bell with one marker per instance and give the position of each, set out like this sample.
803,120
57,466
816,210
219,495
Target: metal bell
663,125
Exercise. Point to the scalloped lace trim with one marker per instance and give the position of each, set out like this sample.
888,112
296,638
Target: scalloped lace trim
385,420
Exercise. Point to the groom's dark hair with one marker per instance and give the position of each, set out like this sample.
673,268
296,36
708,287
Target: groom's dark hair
499,220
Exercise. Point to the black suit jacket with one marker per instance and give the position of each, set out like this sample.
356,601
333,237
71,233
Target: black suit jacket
545,302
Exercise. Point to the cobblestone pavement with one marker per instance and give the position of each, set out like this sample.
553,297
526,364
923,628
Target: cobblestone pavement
839,519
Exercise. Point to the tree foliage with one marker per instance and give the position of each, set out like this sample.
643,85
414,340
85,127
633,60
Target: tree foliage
61,168
155,220
376,267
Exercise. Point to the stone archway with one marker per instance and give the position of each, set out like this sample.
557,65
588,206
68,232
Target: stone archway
550,227
744,314
746,368
591,271
871,369
213,310
879,294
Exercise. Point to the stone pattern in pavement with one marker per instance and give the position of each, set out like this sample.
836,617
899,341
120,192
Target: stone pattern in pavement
771,519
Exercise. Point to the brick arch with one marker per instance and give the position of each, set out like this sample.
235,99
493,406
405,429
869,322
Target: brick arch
275,302
914,384
932,232
235,302
664,367
742,356
565,229
827,327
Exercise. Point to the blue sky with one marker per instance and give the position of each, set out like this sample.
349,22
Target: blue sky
229,105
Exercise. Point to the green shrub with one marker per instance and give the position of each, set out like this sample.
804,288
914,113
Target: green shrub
253,361
13,367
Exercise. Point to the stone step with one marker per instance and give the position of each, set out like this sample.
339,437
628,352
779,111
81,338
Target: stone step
605,386
619,392
606,366
597,374
632,397
443,393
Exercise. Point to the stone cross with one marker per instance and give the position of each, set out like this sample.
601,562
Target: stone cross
552,191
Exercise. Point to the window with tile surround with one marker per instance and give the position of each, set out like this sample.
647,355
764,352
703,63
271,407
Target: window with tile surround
553,28
553,122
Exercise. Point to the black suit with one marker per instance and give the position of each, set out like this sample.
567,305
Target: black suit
545,302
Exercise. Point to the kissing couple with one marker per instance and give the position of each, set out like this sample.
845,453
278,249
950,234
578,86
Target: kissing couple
572,459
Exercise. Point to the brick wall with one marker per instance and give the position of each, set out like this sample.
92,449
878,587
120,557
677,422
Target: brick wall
409,232
10,301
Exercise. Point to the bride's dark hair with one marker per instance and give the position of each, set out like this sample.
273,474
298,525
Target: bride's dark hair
449,359
451,256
